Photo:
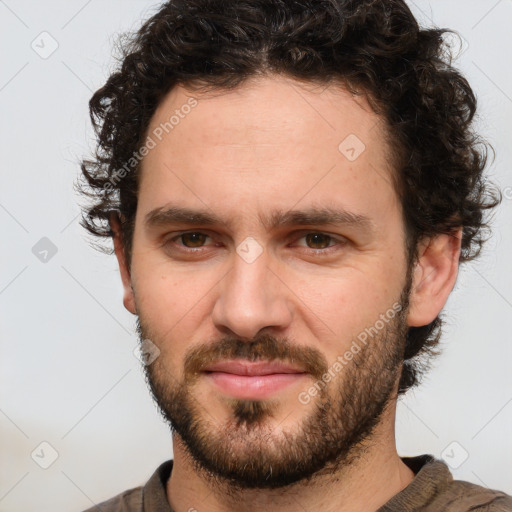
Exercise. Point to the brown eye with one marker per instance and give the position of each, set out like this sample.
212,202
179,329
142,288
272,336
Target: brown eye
192,240
318,240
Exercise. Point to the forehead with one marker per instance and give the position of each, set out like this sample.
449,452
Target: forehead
266,110
272,139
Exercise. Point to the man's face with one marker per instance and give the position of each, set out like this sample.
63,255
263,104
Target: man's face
262,284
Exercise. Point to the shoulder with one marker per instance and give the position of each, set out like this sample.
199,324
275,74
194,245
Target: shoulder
433,489
127,501
464,496
437,490
151,497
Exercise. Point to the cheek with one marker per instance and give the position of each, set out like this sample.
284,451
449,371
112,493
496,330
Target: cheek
167,300
169,296
171,309
342,307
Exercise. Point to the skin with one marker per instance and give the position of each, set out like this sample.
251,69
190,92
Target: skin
270,144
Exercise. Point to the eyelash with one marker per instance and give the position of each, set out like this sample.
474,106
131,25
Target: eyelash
191,250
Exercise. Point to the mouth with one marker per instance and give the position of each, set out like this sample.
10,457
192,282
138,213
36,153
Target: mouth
252,380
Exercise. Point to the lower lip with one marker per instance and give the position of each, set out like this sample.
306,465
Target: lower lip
254,386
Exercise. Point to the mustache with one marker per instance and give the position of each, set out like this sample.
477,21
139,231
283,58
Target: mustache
265,347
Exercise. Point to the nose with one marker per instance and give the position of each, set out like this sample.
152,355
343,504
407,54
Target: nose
251,297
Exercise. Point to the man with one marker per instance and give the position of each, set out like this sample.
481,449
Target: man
290,188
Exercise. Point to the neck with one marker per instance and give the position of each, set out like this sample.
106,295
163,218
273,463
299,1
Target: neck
363,485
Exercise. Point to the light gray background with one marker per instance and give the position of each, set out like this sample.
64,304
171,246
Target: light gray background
68,373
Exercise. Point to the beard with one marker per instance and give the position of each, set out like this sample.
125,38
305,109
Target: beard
244,452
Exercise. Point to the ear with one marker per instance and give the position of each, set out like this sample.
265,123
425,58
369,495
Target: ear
128,296
434,277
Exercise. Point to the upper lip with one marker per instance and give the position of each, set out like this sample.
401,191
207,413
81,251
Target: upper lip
252,368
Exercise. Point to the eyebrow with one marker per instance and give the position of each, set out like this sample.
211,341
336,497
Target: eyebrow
170,215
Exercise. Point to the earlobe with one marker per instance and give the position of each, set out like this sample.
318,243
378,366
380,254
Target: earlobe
128,295
434,277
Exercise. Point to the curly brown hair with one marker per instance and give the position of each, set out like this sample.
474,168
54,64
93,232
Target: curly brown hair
373,47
